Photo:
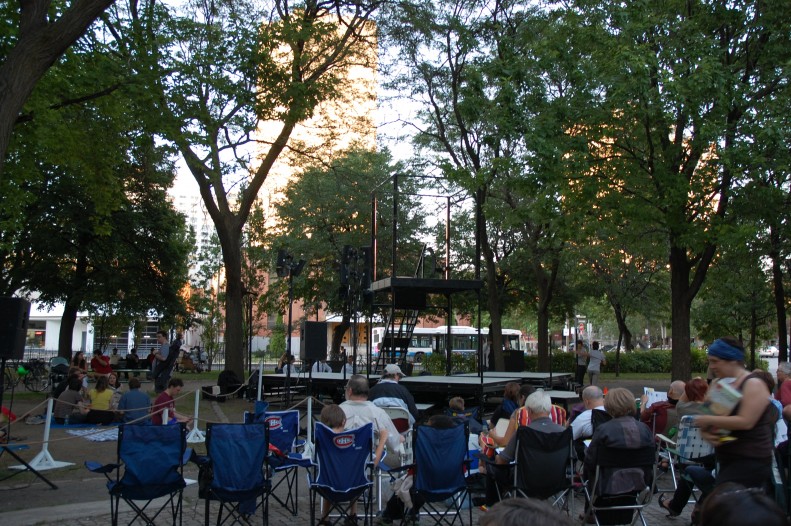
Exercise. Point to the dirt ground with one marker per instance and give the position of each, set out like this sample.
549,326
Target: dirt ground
76,484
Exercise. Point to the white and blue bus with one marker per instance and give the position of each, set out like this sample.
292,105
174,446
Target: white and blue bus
464,340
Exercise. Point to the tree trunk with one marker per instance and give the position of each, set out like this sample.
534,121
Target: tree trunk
543,340
680,314
230,241
67,322
39,45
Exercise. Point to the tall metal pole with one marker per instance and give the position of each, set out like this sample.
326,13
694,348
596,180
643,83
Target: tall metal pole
288,333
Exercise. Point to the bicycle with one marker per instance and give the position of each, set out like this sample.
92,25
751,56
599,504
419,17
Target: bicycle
33,374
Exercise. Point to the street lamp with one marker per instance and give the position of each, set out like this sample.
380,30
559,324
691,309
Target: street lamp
288,268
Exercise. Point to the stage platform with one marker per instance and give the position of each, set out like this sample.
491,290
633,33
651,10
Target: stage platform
546,380
327,384
438,389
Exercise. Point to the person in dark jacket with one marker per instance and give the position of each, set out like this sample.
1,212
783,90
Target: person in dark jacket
388,392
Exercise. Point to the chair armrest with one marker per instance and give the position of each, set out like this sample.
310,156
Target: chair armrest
96,467
665,439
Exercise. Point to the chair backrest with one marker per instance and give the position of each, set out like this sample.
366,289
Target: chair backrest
622,470
689,441
542,461
283,429
439,460
399,416
598,418
470,412
152,456
342,458
237,453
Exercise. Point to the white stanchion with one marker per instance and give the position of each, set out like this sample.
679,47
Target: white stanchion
44,461
307,452
260,379
165,417
196,436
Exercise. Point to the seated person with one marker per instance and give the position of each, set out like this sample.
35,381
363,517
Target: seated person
511,402
691,402
360,411
333,417
320,366
656,416
69,401
388,392
167,400
134,404
623,431
538,406
456,407
593,399
100,364
98,409
73,372
404,498
521,417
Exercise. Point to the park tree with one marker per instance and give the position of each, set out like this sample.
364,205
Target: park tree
221,71
326,208
90,228
765,201
494,96
677,82
35,35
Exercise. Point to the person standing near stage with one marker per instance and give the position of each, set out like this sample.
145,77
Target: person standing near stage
348,367
597,359
582,362
389,393
165,359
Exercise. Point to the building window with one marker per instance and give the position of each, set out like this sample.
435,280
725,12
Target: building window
36,334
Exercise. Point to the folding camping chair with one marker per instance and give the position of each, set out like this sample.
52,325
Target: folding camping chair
233,472
622,485
283,457
341,474
543,467
686,448
440,472
153,459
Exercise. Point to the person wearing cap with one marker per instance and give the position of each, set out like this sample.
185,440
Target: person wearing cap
389,393
745,454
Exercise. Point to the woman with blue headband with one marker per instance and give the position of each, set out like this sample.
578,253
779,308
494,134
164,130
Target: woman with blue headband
745,454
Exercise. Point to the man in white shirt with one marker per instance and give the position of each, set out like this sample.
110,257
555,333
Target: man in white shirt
348,367
320,366
593,399
360,411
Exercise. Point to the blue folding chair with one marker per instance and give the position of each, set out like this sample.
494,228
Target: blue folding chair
152,458
233,472
342,472
441,465
283,435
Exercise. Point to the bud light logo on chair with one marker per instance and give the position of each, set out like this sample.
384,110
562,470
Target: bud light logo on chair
343,441
275,422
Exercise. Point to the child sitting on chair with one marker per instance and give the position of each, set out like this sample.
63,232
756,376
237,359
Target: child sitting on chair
333,417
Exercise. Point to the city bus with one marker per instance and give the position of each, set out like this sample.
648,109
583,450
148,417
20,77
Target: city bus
464,340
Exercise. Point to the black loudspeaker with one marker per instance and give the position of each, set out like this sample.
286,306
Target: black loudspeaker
14,314
313,341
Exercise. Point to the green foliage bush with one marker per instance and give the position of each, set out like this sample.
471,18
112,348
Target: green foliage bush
434,363
652,361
